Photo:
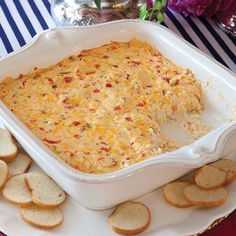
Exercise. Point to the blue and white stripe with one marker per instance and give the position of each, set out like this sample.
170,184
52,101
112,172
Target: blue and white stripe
20,20
205,35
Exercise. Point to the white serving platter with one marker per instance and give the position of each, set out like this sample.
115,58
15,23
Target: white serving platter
106,190
166,220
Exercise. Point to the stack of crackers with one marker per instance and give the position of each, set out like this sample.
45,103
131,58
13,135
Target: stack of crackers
208,187
37,194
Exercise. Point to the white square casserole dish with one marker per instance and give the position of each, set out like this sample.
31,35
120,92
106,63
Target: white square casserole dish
106,190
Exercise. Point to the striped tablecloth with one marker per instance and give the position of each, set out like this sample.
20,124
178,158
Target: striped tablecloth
20,20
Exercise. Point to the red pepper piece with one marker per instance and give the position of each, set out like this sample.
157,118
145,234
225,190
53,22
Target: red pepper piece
117,108
156,54
176,72
76,166
128,118
176,82
105,149
71,154
113,47
108,85
96,90
68,79
167,79
127,76
135,63
76,123
51,141
50,80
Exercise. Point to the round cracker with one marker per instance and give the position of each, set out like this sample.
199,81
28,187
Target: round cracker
205,198
8,147
130,218
228,166
44,218
3,173
210,177
174,194
19,165
45,192
16,191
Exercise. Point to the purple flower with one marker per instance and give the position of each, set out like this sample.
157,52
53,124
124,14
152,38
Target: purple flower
213,8
149,3
190,7
177,5
199,7
226,5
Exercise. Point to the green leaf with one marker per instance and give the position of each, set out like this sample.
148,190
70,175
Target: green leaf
144,15
160,17
143,7
98,3
163,3
143,12
157,6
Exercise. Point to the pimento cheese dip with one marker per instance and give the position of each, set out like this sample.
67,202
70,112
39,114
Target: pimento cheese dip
102,110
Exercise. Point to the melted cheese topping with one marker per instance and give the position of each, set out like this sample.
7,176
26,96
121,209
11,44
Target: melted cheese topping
102,110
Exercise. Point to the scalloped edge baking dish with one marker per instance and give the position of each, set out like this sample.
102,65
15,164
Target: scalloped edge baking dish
106,190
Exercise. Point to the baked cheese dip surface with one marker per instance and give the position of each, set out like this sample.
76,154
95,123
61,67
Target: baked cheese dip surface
103,110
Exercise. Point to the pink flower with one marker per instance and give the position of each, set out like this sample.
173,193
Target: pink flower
190,7
213,8
199,7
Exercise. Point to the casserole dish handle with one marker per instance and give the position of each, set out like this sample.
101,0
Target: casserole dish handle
216,144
